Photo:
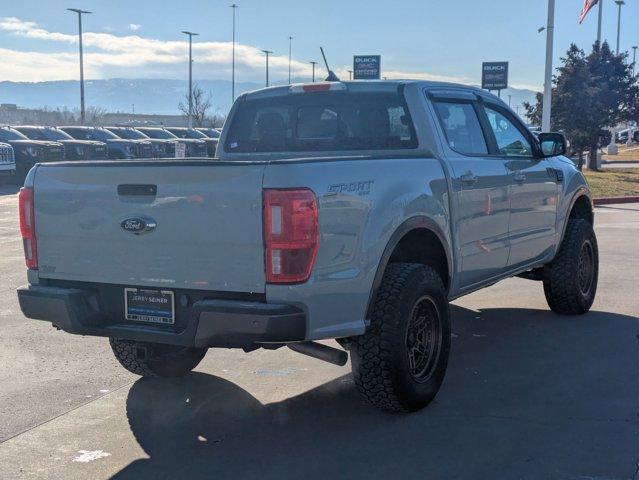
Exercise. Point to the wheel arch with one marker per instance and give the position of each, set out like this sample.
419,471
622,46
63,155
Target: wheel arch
417,240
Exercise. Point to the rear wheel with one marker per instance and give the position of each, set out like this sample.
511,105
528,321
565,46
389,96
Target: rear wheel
570,280
156,359
400,362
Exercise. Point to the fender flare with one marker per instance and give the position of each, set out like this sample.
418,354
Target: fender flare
581,192
414,223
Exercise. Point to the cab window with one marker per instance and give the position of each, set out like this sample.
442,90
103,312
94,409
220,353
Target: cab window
462,128
511,142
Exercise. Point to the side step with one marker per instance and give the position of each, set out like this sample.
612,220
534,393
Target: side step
321,352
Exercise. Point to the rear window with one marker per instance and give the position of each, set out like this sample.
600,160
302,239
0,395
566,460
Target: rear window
326,121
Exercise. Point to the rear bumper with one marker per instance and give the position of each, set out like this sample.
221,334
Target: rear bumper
210,323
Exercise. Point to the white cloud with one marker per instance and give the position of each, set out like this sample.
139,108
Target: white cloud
134,26
108,55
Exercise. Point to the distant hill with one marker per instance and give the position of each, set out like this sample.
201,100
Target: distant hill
153,96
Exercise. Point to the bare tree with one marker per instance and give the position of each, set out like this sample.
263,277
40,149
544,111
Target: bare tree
94,115
201,106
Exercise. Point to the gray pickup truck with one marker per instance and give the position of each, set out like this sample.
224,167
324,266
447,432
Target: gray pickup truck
353,211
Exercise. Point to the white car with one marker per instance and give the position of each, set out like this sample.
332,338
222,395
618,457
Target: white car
7,160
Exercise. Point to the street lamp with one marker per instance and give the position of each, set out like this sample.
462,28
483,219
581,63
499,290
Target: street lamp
620,3
191,35
290,50
547,104
313,63
234,7
80,12
350,74
599,20
267,53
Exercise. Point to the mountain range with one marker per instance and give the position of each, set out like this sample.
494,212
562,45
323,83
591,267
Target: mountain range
152,96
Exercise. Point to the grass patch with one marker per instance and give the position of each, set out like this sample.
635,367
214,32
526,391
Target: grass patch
614,183
626,154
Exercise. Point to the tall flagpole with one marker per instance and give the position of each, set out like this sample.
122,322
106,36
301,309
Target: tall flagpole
599,21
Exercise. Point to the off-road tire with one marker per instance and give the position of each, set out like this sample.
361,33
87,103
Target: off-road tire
380,357
570,284
155,359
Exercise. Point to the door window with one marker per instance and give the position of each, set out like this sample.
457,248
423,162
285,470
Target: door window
511,142
462,128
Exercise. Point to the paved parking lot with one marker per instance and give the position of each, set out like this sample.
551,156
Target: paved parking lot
528,395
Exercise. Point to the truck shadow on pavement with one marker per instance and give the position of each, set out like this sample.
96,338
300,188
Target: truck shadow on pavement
8,189
528,394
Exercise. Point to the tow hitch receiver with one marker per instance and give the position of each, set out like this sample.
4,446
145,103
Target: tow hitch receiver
321,352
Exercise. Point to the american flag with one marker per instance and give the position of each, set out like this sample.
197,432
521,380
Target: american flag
588,4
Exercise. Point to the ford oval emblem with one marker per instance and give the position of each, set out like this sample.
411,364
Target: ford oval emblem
137,225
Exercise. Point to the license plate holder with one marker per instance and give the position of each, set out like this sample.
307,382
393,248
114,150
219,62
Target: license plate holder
149,305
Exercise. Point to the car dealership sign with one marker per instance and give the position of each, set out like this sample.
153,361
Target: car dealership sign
367,67
494,75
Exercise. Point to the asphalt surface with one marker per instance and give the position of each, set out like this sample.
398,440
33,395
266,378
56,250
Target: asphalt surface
528,395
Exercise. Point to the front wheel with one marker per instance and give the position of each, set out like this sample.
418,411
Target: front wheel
156,359
400,362
570,280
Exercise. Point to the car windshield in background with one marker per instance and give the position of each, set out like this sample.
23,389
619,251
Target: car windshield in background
129,134
32,133
157,133
210,132
327,121
185,133
55,134
8,134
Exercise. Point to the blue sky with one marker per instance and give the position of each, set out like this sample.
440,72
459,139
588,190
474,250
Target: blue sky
422,38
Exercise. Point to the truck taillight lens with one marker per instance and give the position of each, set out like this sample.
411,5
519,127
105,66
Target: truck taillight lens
291,235
27,226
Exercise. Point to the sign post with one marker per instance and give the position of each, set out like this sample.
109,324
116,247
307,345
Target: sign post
367,67
494,76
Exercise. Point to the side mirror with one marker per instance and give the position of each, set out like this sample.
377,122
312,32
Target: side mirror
552,144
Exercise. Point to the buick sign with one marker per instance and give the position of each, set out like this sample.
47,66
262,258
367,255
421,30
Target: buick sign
137,225
494,75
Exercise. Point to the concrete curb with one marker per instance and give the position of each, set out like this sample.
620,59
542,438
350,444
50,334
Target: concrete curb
613,200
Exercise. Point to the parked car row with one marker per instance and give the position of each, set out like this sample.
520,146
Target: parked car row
623,135
29,145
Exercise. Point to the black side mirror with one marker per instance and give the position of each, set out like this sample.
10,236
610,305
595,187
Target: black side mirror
552,144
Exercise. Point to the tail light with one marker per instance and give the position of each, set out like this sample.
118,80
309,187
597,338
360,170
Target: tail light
27,226
291,235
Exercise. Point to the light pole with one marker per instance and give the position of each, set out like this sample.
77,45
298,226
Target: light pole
80,12
547,104
313,63
267,53
634,59
510,97
599,20
620,3
234,7
350,74
290,51
191,35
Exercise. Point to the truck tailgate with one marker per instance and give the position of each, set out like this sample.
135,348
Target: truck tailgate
208,217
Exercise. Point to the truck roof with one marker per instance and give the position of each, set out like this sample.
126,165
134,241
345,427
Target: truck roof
360,86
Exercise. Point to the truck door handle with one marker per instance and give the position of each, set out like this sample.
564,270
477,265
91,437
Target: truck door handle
519,177
469,178
137,189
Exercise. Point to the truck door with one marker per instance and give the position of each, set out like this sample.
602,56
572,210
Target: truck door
480,189
533,189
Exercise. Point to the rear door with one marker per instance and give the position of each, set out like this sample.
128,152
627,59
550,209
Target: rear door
189,225
480,188
533,188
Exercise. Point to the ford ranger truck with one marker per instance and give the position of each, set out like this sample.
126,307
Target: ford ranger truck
353,211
